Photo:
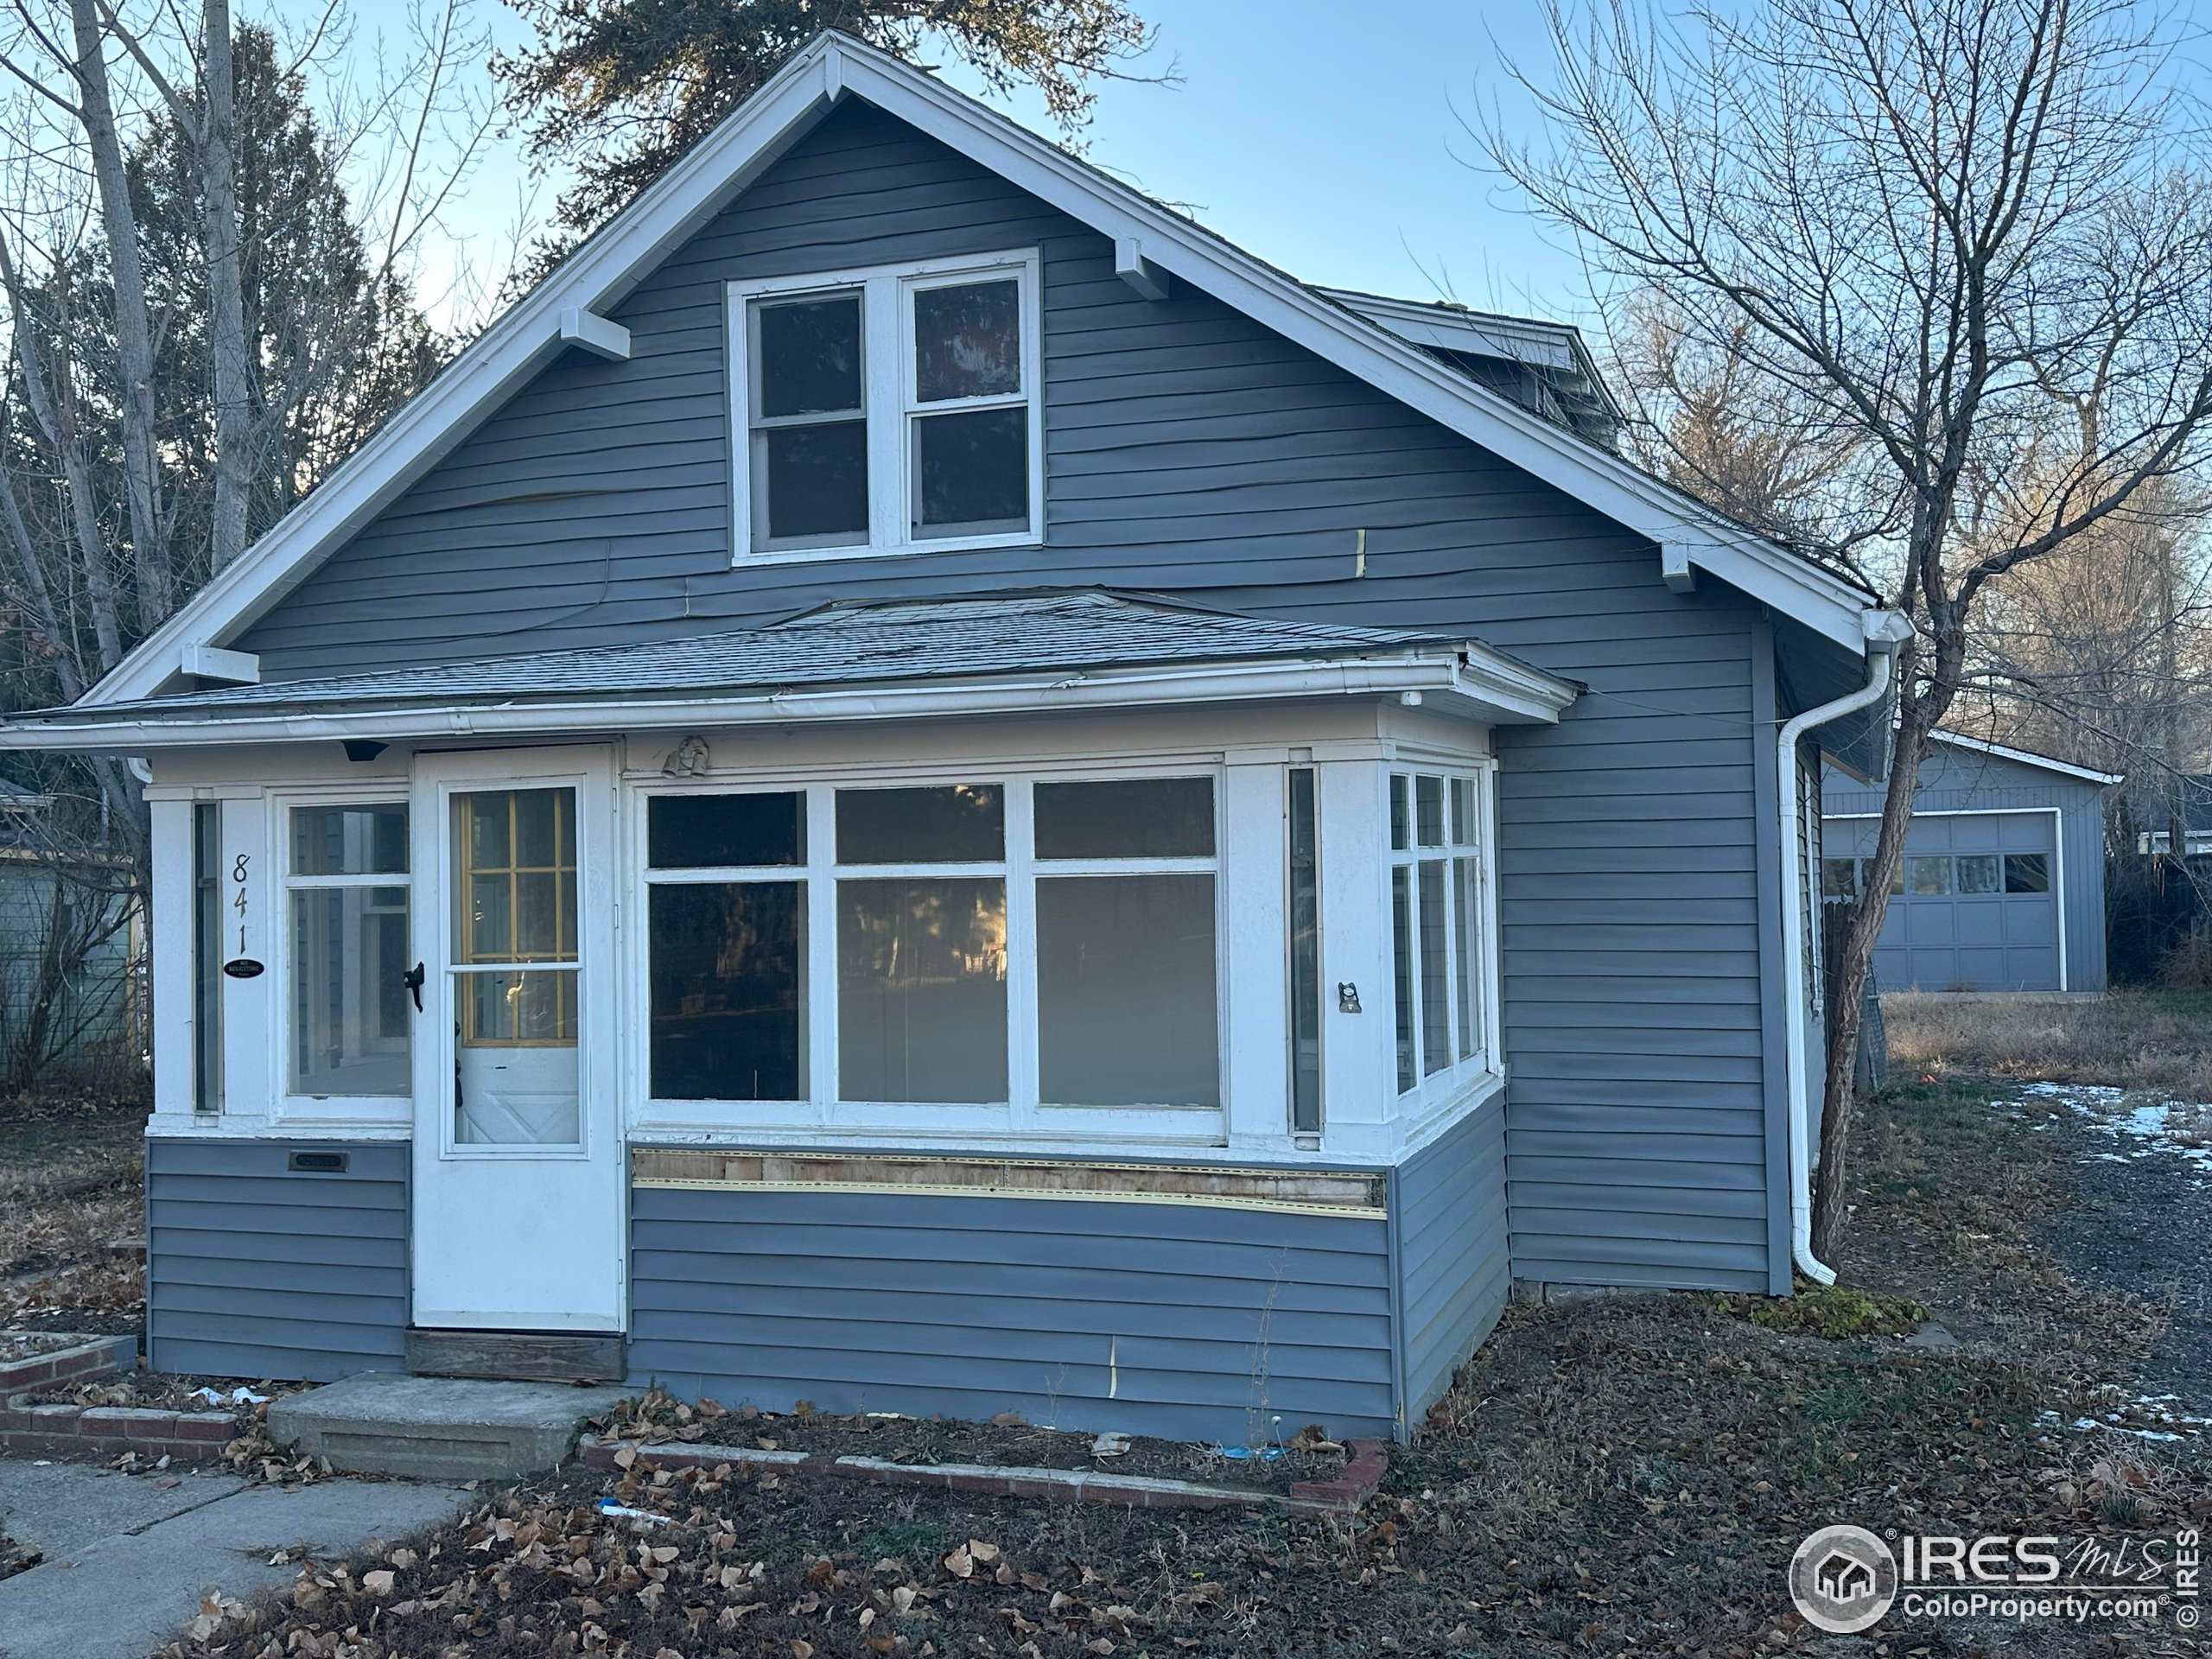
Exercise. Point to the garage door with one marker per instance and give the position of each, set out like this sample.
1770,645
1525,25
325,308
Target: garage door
1976,908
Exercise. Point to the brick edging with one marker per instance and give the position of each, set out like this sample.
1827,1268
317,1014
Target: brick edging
1363,1472
88,1357
110,1431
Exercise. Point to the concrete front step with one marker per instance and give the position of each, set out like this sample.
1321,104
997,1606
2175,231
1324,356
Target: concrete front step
438,1427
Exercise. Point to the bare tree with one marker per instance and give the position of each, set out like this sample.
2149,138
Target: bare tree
1955,225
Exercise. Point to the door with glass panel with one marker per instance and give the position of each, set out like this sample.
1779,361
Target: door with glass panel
517,1152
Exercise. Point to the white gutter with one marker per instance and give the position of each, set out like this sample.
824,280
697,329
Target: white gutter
1885,631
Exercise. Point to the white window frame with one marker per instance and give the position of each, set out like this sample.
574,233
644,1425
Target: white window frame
1023,1117
294,1109
887,401
1433,1089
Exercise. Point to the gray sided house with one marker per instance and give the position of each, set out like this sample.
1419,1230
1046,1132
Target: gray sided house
2003,887
919,785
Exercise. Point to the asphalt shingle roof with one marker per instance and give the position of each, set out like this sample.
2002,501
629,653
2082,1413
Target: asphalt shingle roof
908,641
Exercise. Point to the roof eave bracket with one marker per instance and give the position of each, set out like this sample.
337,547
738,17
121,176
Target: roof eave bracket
1148,279
1676,566
587,330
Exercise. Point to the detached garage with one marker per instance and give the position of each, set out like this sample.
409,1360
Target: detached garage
2003,887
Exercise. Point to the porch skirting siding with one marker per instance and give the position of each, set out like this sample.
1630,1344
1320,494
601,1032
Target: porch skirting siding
1175,1319
1453,1267
256,1269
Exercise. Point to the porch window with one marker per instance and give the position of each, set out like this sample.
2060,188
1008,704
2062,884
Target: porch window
888,407
996,948
351,1016
726,919
921,944
1437,910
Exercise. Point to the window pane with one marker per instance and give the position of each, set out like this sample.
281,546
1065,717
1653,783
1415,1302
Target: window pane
1436,988
1467,951
1304,954
1978,873
1400,812
515,886
515,1077
1129,817
921,989
1428,811
1929,875
727,967
1838,878
1866,878
810,356
1125,991
350,1014
703,831
817,481
971,471
1463,812
967,340
1402,961
349,840
2027,873
959,823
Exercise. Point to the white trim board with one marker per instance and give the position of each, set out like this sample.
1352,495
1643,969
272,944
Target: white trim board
600,274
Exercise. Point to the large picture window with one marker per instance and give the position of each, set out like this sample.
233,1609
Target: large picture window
1436,919
992,947
886,408
347,879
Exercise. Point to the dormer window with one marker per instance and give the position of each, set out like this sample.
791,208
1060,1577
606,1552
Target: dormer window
885,410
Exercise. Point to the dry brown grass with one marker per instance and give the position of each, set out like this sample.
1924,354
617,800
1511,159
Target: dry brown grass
2157,1041
70,1199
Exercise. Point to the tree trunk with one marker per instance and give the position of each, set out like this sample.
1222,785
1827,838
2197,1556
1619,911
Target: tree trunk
217,144
133,333
1847,996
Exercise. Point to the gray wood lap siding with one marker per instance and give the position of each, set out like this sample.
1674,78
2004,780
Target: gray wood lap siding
256,1270
1192,450
1453,1267
1183,1320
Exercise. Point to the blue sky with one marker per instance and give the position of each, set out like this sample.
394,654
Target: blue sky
1326,136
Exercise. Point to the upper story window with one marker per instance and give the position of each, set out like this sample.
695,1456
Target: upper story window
888,409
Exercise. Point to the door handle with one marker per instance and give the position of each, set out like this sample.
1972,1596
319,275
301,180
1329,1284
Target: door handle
412,979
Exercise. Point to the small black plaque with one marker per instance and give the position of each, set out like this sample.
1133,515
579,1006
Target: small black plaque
243,968
319,1163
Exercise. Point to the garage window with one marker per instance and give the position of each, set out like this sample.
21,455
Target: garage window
1838,878
2027,873
1866,878
1979,873
1928,877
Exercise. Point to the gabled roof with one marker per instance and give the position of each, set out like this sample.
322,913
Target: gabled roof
2026,758
564,310
1013,652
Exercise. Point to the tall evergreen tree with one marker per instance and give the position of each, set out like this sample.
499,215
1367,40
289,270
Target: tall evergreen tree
623,87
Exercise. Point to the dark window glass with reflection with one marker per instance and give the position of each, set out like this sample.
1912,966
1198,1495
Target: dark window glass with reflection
2027,873
1126,817
921,989
957,823
727,978
695,832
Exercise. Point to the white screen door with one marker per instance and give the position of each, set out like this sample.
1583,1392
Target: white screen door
518,1181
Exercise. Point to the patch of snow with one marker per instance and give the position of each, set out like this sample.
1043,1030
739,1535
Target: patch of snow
2172,1128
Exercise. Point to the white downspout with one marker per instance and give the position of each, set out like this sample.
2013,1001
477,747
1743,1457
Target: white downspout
1885,631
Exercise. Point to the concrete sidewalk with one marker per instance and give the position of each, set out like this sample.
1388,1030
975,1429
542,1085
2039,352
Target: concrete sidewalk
127,1559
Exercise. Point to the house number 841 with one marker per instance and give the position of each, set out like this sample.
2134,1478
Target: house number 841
238,875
